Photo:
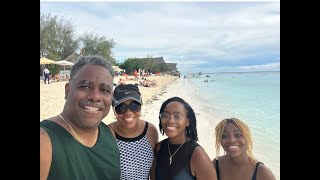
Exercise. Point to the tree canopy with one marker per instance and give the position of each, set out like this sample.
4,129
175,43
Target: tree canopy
58,40
149,64
95,44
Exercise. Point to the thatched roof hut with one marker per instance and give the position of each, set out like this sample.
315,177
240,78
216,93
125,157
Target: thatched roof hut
73,57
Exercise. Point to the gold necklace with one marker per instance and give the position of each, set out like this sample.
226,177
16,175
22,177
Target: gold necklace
170,158
75,134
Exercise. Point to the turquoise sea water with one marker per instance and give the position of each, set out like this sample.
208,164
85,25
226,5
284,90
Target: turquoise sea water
252,97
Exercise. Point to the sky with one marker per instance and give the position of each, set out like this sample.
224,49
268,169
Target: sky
206,36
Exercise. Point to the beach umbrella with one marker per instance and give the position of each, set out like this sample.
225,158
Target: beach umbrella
116,68
64,63
44,60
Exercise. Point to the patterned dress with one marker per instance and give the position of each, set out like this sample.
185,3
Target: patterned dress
136,156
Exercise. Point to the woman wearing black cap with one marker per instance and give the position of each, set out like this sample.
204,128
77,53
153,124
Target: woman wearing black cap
136,138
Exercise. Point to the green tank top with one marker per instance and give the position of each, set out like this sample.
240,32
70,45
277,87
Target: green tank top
72,160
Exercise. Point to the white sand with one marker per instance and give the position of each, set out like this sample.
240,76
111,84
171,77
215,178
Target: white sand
52,95
52,102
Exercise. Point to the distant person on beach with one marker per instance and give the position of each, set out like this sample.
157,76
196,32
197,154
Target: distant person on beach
136,138
135,74
179,156
46,74
75,144
148,83
238,162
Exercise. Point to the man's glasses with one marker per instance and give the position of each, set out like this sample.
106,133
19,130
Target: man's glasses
133,106
166,116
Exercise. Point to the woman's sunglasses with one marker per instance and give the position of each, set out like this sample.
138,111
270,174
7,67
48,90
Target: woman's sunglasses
133,106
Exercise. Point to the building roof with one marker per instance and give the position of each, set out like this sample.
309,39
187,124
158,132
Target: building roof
73,57
172,66
158,60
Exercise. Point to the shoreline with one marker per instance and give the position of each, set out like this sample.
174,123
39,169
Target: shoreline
52,95
52,102
206,112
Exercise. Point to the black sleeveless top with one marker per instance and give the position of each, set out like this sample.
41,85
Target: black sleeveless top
254,176
180,166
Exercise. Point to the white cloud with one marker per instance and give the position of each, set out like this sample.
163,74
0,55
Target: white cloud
200,32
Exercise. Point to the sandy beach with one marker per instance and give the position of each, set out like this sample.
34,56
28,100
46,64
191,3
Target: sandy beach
52,101
52,95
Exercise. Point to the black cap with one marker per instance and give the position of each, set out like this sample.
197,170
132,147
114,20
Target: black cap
125,92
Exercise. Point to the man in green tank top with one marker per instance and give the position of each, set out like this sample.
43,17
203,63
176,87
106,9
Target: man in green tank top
76,144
